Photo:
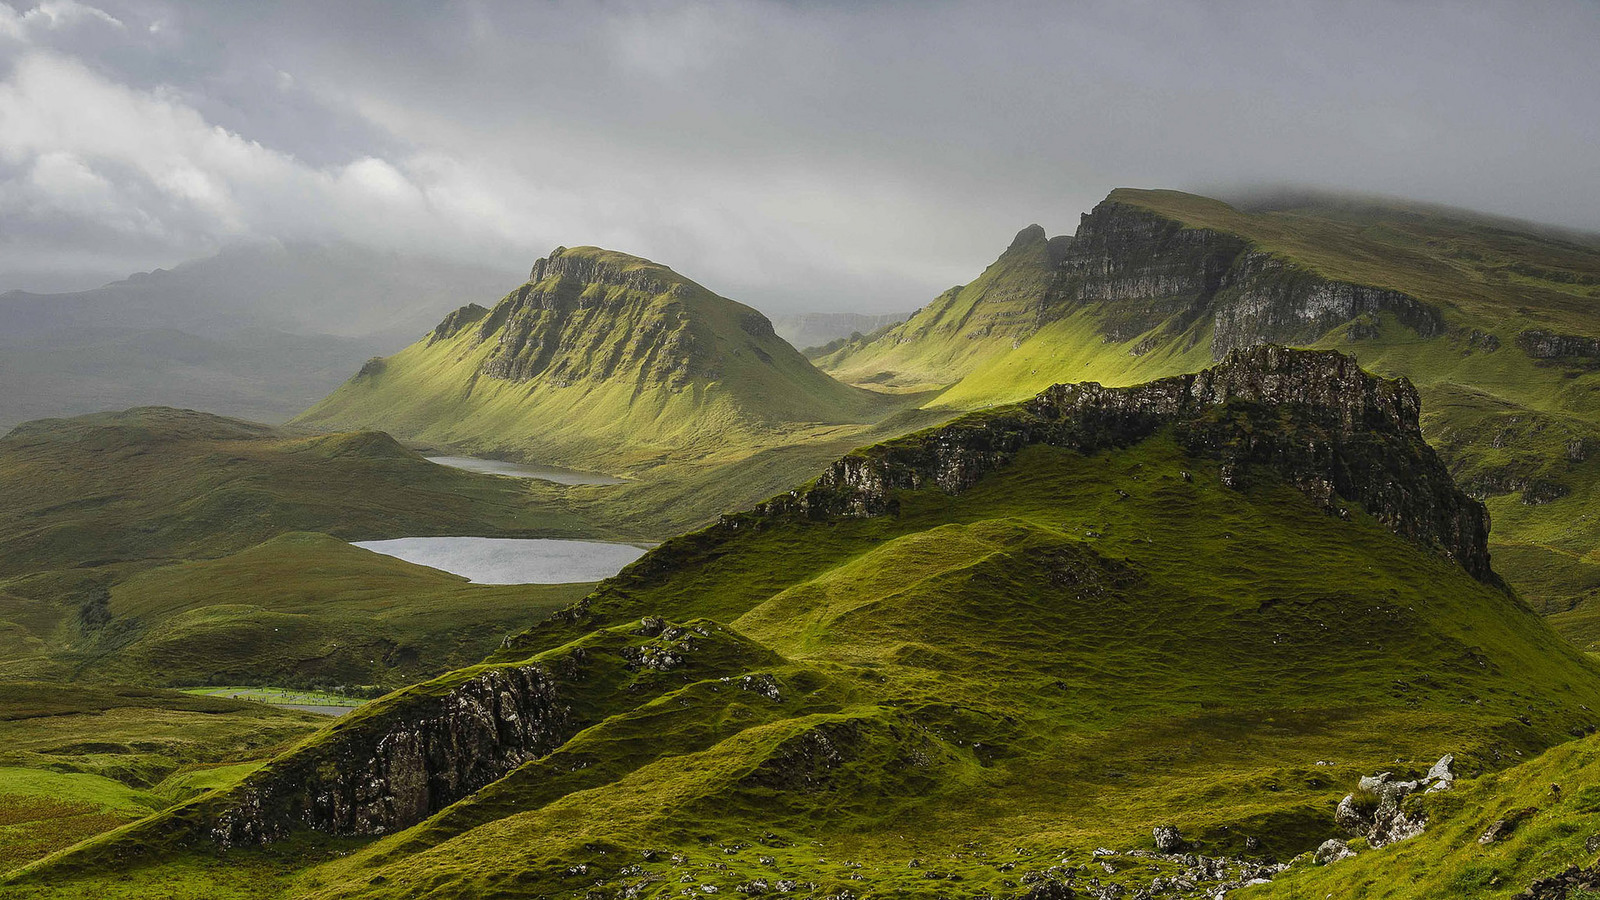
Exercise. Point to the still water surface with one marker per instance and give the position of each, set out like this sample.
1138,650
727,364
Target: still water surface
518,470
512,560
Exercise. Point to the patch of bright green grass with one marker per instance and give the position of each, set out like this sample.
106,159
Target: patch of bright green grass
77,760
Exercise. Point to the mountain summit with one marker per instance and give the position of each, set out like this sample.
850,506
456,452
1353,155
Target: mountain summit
600,358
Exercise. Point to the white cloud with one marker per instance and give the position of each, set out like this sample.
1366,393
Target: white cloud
145,164
51,15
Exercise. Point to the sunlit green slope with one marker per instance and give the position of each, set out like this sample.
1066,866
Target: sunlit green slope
1496,323
602,360
962,328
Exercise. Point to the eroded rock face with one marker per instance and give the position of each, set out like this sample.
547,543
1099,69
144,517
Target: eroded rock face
1141,270
1313,419
565,322
1549,345
379,776
457,321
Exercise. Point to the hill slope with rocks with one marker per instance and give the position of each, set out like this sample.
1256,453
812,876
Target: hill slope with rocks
1493,321
1083,645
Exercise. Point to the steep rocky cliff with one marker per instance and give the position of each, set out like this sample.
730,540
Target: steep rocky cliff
1313,419
382,773
1141,270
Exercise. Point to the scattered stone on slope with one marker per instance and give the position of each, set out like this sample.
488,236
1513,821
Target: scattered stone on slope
1501,829
1564,885
1376,809
1168,839
1331,851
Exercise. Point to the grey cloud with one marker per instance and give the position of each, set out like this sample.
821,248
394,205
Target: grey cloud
832,156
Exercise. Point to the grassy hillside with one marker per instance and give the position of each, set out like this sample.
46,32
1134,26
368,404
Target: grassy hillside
1504,360
171,547
80,760
967,692
305,609
962,328
604,361
1559,794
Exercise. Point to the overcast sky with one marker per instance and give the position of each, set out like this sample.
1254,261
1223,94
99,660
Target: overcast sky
823,155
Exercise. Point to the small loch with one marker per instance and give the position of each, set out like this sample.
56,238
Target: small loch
518,470
512,560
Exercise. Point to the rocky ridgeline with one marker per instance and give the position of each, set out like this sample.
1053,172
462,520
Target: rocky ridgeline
1140,269
456,322
1312,419
374,775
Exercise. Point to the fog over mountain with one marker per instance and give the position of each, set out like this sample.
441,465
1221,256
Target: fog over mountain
817,157
259,330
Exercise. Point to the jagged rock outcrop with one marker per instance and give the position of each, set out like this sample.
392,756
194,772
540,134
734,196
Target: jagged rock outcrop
379,775
457,321
1376,809
1549,345
1141,270
1313,419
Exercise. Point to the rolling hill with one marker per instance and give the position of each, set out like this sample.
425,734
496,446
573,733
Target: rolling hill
959,663
601,360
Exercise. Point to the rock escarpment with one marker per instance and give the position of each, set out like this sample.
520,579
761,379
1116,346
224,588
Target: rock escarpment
1312,419
1140,270
588,317
379,775
454,323
1548,345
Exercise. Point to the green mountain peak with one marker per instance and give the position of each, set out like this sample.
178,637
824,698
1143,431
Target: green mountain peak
600,359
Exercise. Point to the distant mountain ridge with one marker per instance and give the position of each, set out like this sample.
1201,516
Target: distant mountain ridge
258,330
809,330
